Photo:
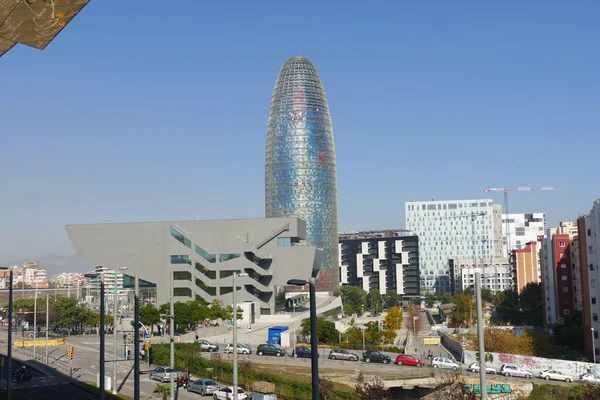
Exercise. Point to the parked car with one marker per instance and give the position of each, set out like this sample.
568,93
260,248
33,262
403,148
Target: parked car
241,349
302,352
376,356
269,350
513,370
591,378
555,375
443,362
205,345
261,396
163,374
407,359
203,386
342,354
474,367
226,393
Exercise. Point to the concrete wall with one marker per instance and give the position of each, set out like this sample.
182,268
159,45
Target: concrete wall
453,346
532,364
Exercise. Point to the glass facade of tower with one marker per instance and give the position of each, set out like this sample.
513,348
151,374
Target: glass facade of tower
300,171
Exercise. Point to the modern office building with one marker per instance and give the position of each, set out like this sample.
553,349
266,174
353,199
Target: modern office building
445,231
526,265
496,274
200,257
300,168
382,260
558,271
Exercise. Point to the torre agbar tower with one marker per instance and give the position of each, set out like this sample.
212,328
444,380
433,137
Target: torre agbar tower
300,171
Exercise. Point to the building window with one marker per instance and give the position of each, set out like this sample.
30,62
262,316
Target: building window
595,317
593,300
595,334
179,236
563,266
566,312
284,242
226,257
182,276
206,255
563,278
184,292
561,244
565,289
181,259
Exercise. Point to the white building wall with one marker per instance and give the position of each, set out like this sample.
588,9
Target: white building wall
523,228
548,277
592,223
445,231
496,274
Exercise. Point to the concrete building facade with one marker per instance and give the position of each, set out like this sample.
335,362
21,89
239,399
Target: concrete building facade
201,256
445,232
496,274
525,265
382,260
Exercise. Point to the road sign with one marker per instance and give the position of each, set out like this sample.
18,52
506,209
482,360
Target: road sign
147,336
382,337
464,345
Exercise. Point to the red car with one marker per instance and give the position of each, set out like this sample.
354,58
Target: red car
405,359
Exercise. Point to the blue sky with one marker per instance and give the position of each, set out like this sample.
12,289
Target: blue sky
139,113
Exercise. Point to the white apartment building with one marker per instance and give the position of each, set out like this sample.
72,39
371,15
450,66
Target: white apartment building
113,280
452,229
522,228
69,279
496,273
589,240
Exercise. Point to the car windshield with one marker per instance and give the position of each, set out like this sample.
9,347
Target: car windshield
210,383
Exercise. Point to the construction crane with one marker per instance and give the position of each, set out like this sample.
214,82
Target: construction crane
516,189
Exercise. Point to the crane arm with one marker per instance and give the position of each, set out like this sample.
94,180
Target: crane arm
523,189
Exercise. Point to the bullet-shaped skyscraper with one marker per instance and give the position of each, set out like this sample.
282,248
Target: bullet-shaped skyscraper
300,171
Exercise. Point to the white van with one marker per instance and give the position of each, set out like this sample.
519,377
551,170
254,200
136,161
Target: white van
261,396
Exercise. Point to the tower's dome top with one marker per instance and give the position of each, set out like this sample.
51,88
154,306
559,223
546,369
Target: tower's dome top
298,59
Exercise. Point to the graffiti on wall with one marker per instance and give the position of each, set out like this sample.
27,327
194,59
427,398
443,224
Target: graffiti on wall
533,364
492,389
500,391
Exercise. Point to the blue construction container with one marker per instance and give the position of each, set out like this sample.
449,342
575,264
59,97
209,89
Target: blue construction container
275,334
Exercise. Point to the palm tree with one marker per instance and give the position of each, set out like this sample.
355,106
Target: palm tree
165,390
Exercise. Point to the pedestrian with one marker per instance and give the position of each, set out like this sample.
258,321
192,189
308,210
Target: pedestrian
142,354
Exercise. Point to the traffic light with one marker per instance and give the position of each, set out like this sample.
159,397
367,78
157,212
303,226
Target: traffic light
120,320
71,352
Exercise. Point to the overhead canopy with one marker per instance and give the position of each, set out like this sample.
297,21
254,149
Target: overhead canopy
34,23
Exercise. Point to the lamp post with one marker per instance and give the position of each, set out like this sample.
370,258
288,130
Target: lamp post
362,314
9,344
314,361
594,348
235,353
115,317
47,323
35,318
171,333
102,344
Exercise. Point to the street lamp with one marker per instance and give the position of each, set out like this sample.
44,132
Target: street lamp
115,317
314,361
101,372
10,320
594,348
235,352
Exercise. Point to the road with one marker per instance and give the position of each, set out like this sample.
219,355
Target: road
85,369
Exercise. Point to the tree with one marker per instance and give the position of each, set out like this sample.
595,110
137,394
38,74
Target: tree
413,319
325,389
149,316
374,301
374,333
183,314
391,298
394,317
569,331
453,388
326,332
463,311
429,300
531,304
487,295
444,297
162,389
353,297
504,340
468,291
374,389
508,308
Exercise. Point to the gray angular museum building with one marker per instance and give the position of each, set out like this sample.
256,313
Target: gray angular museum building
201,256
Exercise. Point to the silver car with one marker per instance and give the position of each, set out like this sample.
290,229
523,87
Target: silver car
241,349
203,386
205,345
513,370
341,354
163,374
555,375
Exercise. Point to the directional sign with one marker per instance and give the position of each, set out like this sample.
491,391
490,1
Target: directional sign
147,336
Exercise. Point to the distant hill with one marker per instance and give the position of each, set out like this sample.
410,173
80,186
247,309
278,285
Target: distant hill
54,264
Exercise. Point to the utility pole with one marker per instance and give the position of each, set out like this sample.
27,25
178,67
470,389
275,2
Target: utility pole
482,377
47,323
136,340
172,334
114,383
35,317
